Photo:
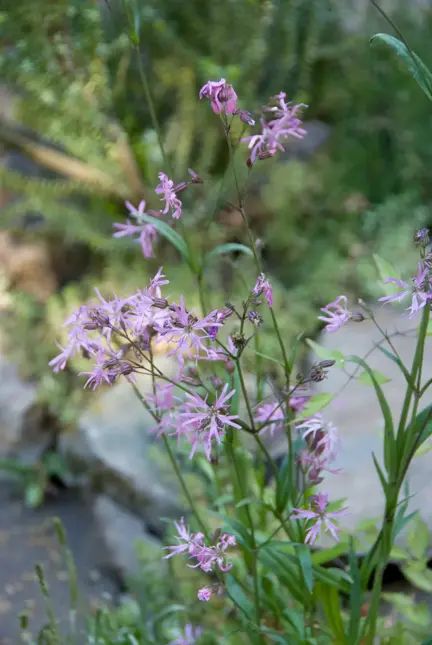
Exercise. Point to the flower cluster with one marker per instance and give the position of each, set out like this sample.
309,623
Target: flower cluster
285,122
189,637
318,517
144,227
205,557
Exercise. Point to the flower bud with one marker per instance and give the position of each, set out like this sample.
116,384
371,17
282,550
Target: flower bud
238,339
317,374
326,364
255,318
179,188
160,303
265,154
196,179
357,316
421,237
216,382
246,117
90,326
229,367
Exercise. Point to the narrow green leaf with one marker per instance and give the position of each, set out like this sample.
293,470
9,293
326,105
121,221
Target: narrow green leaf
304,556
228,248
169,234
421,579
386,270
238,596
239,530
283,488
333,577
418,431
389,438
356,599
329,598
286,569
294,350
400,364
380,475
366,378
418,538
325,353
415,65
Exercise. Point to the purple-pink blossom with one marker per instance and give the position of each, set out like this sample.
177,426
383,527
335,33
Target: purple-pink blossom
336,314
189,636
273,133
221,95
186,331
418,290
146,232
206,556
322,436
318,517
263,286
167,189
205,594
205,423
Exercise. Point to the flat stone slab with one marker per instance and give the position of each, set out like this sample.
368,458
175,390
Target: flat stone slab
117,441
27,538
356,412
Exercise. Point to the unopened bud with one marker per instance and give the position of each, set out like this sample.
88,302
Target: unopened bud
421,237
193,372
327,364
196,179
246,117
317,374
179,188
255,318
216,382
230,367
357,316
90,326
249,162
300,378
238,339
160,303
265,154
125,369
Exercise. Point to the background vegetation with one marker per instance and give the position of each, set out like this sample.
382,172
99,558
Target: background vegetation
82,76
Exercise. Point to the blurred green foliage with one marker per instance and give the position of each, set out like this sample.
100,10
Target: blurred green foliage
80,73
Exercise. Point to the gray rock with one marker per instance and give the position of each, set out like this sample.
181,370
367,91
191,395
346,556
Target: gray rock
356,412
16,398
121,531
116,442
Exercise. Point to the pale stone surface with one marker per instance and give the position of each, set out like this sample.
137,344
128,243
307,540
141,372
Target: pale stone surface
16,397
356,412
121,531
116,436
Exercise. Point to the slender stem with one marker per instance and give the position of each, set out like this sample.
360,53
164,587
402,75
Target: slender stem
416,365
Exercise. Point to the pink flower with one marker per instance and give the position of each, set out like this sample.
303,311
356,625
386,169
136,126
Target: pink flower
277,130
272,414
206,556
187,542
263,286
186,331
324,435
336,314
166,188
189,637
221,96
418,291
318,517
147,233
206,423
205,594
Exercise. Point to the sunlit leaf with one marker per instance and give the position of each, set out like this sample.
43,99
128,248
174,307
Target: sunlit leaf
366,378
314,405
415,65
325,353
